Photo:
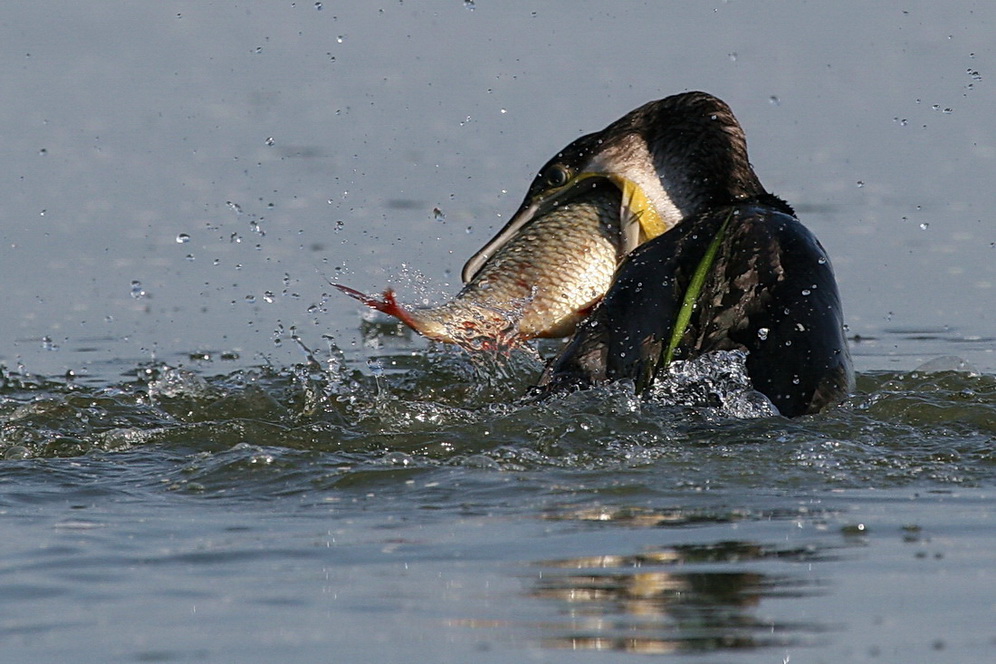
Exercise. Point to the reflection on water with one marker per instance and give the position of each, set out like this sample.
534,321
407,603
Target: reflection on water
678,599
681,598
383,452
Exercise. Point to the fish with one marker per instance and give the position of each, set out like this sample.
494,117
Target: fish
540,283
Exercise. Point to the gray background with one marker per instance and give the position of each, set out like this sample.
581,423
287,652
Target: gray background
337,131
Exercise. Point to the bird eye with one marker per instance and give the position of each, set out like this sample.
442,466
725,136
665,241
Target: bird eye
557,175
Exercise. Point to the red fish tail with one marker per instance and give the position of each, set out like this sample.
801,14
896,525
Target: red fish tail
389,305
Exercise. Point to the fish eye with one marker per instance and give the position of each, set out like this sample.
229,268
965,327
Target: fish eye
557,175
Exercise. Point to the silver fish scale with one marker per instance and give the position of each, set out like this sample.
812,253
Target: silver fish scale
542,281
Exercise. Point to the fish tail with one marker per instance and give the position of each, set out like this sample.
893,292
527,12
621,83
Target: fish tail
472,326
389,305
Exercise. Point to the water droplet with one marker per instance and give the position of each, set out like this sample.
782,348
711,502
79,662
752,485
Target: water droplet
503,111
234,206
774,100
340,39
269,141
235,238
268,297
339,225
182,238
470,229
137,291
398,459
924,226
48,344
762,334
806,291
43,152
319,6
437,214
189,257
854,529
860,184
251,299
821,260
732,56
469,4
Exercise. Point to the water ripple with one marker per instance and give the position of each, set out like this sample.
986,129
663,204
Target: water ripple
295,429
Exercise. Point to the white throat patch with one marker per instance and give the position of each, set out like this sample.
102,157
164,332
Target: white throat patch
624,160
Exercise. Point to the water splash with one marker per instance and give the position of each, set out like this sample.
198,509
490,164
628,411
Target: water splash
445,407
714,380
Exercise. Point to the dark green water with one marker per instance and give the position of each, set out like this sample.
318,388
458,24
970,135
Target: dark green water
416,505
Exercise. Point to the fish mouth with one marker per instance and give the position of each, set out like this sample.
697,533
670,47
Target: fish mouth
639,220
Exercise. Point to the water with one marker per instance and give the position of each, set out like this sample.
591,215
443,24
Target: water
219,459
310,510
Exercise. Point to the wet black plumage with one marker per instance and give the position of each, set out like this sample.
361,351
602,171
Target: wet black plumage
769,290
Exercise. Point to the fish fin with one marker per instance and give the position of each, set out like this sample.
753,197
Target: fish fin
389,305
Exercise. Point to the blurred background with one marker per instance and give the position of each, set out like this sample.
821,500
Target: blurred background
183,180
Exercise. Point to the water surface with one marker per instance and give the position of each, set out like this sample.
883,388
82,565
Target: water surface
211,457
